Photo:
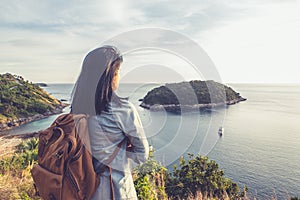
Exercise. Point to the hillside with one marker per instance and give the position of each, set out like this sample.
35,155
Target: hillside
206,94
22,102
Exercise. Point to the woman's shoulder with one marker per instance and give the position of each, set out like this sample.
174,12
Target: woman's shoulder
120,109
125,113
123,105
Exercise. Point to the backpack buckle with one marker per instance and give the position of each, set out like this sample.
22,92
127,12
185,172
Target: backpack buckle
36,190
59,154
45,141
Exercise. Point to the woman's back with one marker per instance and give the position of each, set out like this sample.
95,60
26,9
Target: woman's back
120,123
113,121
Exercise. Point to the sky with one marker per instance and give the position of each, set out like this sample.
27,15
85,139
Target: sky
249,41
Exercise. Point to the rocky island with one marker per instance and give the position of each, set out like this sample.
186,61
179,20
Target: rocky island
22,102
190,96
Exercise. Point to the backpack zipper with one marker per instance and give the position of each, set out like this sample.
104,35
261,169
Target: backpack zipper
77,156
73,181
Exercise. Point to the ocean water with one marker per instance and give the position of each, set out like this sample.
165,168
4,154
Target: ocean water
262,140
260,147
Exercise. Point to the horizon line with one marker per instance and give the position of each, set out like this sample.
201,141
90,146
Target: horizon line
262,83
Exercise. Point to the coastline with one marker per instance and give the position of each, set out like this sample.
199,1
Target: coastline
177,108
20,121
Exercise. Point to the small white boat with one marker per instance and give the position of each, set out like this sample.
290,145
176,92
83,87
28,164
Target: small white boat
221,131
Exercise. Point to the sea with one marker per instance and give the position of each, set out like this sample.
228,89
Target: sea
260,147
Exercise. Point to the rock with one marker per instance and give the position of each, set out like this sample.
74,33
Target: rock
41,84
17,122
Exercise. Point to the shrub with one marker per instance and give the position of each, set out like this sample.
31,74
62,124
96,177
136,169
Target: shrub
25,155
199,174
149,180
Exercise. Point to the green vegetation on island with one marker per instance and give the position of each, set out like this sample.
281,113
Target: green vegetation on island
22,101
190,95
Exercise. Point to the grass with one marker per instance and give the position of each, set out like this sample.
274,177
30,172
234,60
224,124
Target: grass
17,185
15,177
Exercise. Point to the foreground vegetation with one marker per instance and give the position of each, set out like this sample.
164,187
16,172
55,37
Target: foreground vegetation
152,180
194,178
15,177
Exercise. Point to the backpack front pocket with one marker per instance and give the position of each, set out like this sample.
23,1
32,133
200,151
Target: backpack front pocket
49,185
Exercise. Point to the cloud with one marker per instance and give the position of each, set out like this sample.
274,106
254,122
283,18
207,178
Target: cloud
57,34
107,15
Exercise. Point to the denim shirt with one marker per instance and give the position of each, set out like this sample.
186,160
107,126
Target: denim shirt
106,132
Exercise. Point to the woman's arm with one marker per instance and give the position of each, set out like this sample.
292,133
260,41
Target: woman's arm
133,129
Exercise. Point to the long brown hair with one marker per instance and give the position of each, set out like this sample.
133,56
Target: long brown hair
93,89
104,87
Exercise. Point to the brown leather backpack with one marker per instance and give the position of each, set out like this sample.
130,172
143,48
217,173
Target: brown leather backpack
65,170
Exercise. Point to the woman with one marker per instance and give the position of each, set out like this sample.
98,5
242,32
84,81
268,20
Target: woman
113,122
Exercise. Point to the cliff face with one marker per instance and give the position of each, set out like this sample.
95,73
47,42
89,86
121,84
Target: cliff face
22,102
190,95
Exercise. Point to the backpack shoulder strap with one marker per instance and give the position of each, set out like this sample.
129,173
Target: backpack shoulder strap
116,151
112,156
